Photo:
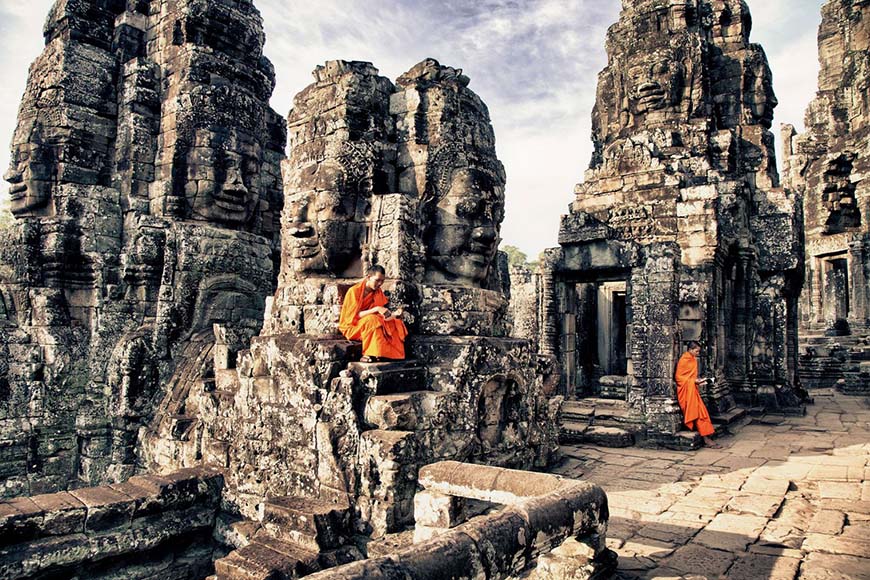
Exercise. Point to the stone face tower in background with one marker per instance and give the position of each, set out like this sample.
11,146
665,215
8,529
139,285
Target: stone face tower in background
828,165
680,230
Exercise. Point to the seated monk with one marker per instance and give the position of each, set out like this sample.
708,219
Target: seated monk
365,317
695,414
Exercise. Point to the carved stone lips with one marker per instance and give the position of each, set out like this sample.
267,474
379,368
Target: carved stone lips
301,230
17,190
650,93
231,200
479,255
306,249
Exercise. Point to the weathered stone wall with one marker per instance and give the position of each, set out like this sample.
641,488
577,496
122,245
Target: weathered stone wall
147,527
146,187
828,165
680,230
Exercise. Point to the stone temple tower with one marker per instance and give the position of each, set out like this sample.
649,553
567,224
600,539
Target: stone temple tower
828,165
680,230
146,187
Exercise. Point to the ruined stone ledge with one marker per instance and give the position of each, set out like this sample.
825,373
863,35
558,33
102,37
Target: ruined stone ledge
49,533
543,511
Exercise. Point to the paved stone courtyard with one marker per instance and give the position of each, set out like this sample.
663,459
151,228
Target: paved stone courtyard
785,498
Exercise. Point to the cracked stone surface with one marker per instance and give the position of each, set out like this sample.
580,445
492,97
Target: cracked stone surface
736,512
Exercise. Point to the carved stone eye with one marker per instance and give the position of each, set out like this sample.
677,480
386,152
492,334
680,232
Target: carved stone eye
469,208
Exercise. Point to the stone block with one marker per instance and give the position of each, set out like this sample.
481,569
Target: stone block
64,514
692,558
21,519
731,532
819,566
436,510
258,561
106,508
311,524
838,545
829,522
753,566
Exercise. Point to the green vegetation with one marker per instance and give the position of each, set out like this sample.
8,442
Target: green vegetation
516,257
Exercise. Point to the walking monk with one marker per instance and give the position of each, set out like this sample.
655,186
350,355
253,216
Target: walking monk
365,317
695,414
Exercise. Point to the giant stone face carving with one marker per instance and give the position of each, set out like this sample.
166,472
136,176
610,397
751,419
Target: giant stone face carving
61,136
463,236
324,235
223,176
30,172
655,81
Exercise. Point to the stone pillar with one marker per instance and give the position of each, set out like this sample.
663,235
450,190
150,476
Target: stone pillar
858,285
549,314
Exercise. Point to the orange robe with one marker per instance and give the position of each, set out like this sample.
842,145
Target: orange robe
695,414
383,338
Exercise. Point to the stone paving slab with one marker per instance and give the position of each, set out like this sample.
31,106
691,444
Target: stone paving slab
788,499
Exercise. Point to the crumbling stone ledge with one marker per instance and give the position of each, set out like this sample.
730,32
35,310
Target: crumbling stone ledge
544,515
162,524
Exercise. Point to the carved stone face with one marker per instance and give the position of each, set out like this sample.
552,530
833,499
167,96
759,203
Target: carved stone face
655,81
760,96
463,237
223,177
30,175
322,234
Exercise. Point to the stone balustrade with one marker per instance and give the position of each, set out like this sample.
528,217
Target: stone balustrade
149,526
549,527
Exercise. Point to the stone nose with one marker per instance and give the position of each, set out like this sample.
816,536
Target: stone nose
483,235
12,175
234,180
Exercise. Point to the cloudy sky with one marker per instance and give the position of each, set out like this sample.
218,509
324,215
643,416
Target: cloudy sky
534,62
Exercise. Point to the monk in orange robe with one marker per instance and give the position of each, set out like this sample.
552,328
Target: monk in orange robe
365,317
695,414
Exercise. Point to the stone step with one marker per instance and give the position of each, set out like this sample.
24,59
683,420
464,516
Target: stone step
679,441
732,416
596,435
414,410
266,559
578,411
309,523
386,378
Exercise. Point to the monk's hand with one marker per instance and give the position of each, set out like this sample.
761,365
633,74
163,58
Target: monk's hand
398,312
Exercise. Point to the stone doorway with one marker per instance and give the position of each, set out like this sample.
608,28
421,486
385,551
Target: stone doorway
598,331
836,294
612,335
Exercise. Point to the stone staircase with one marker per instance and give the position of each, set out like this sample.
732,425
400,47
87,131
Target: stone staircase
297,537
599,421
841,362
393,402
606,423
